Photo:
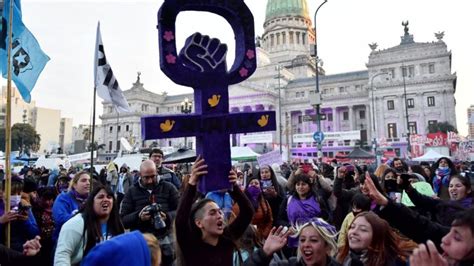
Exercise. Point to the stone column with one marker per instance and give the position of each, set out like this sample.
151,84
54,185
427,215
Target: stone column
368,118
380,125
335,119
351,117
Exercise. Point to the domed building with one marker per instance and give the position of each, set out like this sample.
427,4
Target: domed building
285,80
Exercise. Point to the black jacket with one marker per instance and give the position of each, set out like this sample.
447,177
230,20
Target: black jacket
137,197
344,201
412,224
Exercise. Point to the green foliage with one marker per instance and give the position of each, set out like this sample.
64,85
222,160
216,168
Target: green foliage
23,138
443,127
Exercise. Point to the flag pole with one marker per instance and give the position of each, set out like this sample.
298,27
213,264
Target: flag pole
93,133
8,124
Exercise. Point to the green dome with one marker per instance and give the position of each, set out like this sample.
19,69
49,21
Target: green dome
282,8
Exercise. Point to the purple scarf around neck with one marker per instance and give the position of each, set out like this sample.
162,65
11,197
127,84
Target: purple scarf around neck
80,198
442,178
301,211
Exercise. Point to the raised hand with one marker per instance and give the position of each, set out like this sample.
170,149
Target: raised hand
374,194
427,256
204,54
276,240
232,177
199,168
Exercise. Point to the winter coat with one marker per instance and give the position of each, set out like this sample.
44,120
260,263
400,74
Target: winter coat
137,197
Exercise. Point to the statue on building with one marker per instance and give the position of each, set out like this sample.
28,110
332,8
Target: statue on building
258,41
373,46
439,35
405,24
407,38
138,76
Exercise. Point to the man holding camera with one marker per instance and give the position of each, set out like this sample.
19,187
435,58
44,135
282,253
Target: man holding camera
150,206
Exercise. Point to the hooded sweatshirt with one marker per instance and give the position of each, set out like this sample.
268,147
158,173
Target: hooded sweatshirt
123,250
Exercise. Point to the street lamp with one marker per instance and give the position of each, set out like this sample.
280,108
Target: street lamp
318,118
374,138
186,107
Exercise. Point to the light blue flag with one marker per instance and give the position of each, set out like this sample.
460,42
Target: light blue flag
28,60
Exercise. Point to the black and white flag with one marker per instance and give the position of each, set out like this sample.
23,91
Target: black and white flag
105,82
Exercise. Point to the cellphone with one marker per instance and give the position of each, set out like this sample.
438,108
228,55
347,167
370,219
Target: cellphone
266,184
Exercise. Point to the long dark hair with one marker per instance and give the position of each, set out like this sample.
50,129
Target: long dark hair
91,222
385,246
450,165
276,185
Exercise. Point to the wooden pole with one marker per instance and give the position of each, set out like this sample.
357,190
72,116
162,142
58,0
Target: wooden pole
8,125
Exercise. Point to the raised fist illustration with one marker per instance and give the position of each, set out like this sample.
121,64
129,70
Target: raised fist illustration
204,54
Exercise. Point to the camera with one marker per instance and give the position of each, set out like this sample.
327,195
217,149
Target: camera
154,210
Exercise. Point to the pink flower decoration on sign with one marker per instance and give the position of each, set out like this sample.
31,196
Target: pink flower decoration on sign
243,72
250,54
170,59
168,36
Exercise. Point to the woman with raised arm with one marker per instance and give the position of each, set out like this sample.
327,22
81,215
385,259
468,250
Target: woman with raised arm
316,247
202,236
456,242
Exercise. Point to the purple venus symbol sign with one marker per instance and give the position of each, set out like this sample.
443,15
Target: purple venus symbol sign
201,64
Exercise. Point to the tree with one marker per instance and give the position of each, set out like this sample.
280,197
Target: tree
23,138
442,126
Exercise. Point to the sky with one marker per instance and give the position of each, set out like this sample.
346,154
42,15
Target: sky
66,31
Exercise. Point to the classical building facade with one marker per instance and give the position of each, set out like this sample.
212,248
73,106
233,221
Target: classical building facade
361,107
470,121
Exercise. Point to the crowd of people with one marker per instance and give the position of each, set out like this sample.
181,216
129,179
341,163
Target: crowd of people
291,214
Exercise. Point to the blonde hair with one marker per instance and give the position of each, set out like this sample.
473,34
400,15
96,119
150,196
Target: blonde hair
380,171
327,232
76,178
154,247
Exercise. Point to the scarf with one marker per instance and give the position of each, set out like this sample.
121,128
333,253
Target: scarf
355,258
80,198
442,178
254,193
466,202
301,211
